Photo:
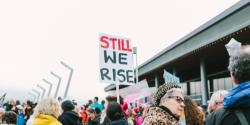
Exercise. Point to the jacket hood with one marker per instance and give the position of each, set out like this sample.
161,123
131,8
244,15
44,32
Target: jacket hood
45,120
239,97
119,122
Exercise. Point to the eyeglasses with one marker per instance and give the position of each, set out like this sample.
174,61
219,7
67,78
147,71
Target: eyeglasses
177,98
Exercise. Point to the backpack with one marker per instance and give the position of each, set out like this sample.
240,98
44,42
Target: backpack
239,114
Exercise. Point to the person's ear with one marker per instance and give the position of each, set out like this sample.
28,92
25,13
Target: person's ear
235,81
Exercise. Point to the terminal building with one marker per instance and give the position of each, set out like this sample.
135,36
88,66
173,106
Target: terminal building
200,58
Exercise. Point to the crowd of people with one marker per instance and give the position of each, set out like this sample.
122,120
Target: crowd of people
169,106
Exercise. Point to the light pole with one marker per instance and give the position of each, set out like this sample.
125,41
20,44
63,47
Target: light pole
58,84
33,95
43,89
38,93
50,86
70,76
136,70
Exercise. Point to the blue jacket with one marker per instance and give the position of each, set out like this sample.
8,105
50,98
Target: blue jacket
239,97
96,105
20,119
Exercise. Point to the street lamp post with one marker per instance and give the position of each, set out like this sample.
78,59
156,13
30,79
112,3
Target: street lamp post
38,93
50,86
59,83
70,76
43,89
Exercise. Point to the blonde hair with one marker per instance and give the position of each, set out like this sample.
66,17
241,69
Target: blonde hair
48,106
12,102
218,95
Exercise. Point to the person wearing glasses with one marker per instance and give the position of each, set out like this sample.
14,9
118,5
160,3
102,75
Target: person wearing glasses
167,107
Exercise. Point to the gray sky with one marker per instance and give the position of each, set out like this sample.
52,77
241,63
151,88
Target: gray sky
36,35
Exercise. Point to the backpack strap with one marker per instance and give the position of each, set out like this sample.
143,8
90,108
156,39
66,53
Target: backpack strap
241,117
221,115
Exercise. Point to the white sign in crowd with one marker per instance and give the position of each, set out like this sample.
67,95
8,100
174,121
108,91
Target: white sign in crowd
116,59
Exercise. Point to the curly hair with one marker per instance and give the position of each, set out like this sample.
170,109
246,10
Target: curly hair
193,114
9,117
239,64
48,106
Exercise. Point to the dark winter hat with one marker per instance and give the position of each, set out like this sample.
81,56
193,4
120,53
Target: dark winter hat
161,91
67,105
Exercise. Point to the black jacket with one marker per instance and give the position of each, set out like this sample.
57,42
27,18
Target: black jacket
226,117
119,122
70,118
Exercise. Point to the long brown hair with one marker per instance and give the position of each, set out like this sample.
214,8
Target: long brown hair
193,114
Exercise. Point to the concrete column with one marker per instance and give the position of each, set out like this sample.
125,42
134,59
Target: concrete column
156,82
188,88
211,86
204,88
174,72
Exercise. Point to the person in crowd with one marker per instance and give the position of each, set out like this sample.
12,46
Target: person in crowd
138,116
69,117
94,116
103,104
2,111
216,100
96,104
29,110
115,114
193,114
84,114
90,102
9,117
59,99
167,106
20,115
104,119
131,117
47,112
236,104
11,106
125,108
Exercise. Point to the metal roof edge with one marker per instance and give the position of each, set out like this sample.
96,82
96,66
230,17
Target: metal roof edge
234,8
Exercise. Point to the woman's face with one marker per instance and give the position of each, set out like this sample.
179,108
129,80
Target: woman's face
175,103
91,115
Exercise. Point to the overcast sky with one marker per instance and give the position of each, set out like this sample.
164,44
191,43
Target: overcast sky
36,35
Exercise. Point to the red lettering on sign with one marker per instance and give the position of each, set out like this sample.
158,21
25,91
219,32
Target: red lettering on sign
104,42
115,43
113,40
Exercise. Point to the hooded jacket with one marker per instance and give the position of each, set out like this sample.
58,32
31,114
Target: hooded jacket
70,118
45,120
160,116
237,99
